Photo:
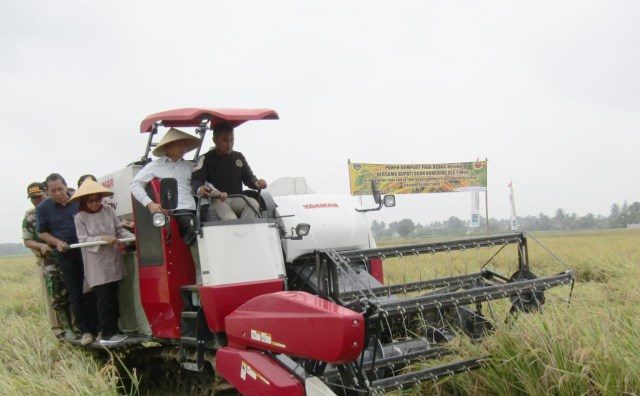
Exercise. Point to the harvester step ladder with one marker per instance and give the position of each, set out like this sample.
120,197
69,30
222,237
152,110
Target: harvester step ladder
190,341
194,331
189,314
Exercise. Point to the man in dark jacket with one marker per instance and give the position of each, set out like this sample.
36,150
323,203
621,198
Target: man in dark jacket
221,172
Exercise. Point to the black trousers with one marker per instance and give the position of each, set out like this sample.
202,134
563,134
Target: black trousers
186,224
82,305
108,310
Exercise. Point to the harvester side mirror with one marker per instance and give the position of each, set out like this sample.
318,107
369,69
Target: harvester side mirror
389,200
169,193
375,192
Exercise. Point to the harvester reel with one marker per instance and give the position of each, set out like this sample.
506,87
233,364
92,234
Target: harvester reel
526,301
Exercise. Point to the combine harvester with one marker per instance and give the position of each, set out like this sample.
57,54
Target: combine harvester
293,302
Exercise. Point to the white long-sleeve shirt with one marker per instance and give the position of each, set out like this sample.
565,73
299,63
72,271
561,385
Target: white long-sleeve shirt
164,167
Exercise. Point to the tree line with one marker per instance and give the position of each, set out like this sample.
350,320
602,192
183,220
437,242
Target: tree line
619,217
10,249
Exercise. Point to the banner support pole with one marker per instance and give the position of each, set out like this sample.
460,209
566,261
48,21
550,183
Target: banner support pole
486,199
486,209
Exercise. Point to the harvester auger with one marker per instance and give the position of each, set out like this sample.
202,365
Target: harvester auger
294,301
402,330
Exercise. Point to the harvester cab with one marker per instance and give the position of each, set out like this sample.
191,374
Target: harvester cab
301,300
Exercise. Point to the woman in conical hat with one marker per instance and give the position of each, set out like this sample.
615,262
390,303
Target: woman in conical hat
103,264
89,187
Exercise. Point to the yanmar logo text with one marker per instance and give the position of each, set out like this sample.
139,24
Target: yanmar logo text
107,183
321,205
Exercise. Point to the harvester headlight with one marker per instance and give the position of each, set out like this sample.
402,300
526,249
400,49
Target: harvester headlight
303,229
159,219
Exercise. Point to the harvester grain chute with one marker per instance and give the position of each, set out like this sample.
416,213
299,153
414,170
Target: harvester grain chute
294,302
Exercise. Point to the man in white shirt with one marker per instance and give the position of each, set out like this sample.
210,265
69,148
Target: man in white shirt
171,148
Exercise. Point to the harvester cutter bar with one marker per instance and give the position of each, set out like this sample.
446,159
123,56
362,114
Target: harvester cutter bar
469,296
373,367
433,247
478,278
381,386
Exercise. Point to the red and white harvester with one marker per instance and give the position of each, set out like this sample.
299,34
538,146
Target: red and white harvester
294,301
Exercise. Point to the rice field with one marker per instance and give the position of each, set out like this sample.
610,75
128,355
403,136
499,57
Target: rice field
588,347
591,346
32,362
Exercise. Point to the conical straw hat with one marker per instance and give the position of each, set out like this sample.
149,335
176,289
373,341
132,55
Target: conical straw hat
174,135
89,187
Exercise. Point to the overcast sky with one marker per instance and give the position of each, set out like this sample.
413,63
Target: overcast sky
548,91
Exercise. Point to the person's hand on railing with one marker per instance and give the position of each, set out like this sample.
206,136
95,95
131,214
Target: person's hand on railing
208,191
62,246
205,191
45,249
109,239
155,208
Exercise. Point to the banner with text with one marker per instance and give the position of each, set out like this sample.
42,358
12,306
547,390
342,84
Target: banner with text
418,178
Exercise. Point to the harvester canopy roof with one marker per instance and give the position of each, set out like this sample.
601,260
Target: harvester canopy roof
193,116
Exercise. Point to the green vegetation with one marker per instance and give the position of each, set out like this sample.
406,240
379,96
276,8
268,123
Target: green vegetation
587,347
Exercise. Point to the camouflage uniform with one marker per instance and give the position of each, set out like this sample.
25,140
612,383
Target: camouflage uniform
55,291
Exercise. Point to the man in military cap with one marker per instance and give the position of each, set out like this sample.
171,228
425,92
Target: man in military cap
50,277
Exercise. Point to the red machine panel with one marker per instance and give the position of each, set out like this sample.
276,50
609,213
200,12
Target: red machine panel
253,373
160,281
219,301
376,270
193,117
298,324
